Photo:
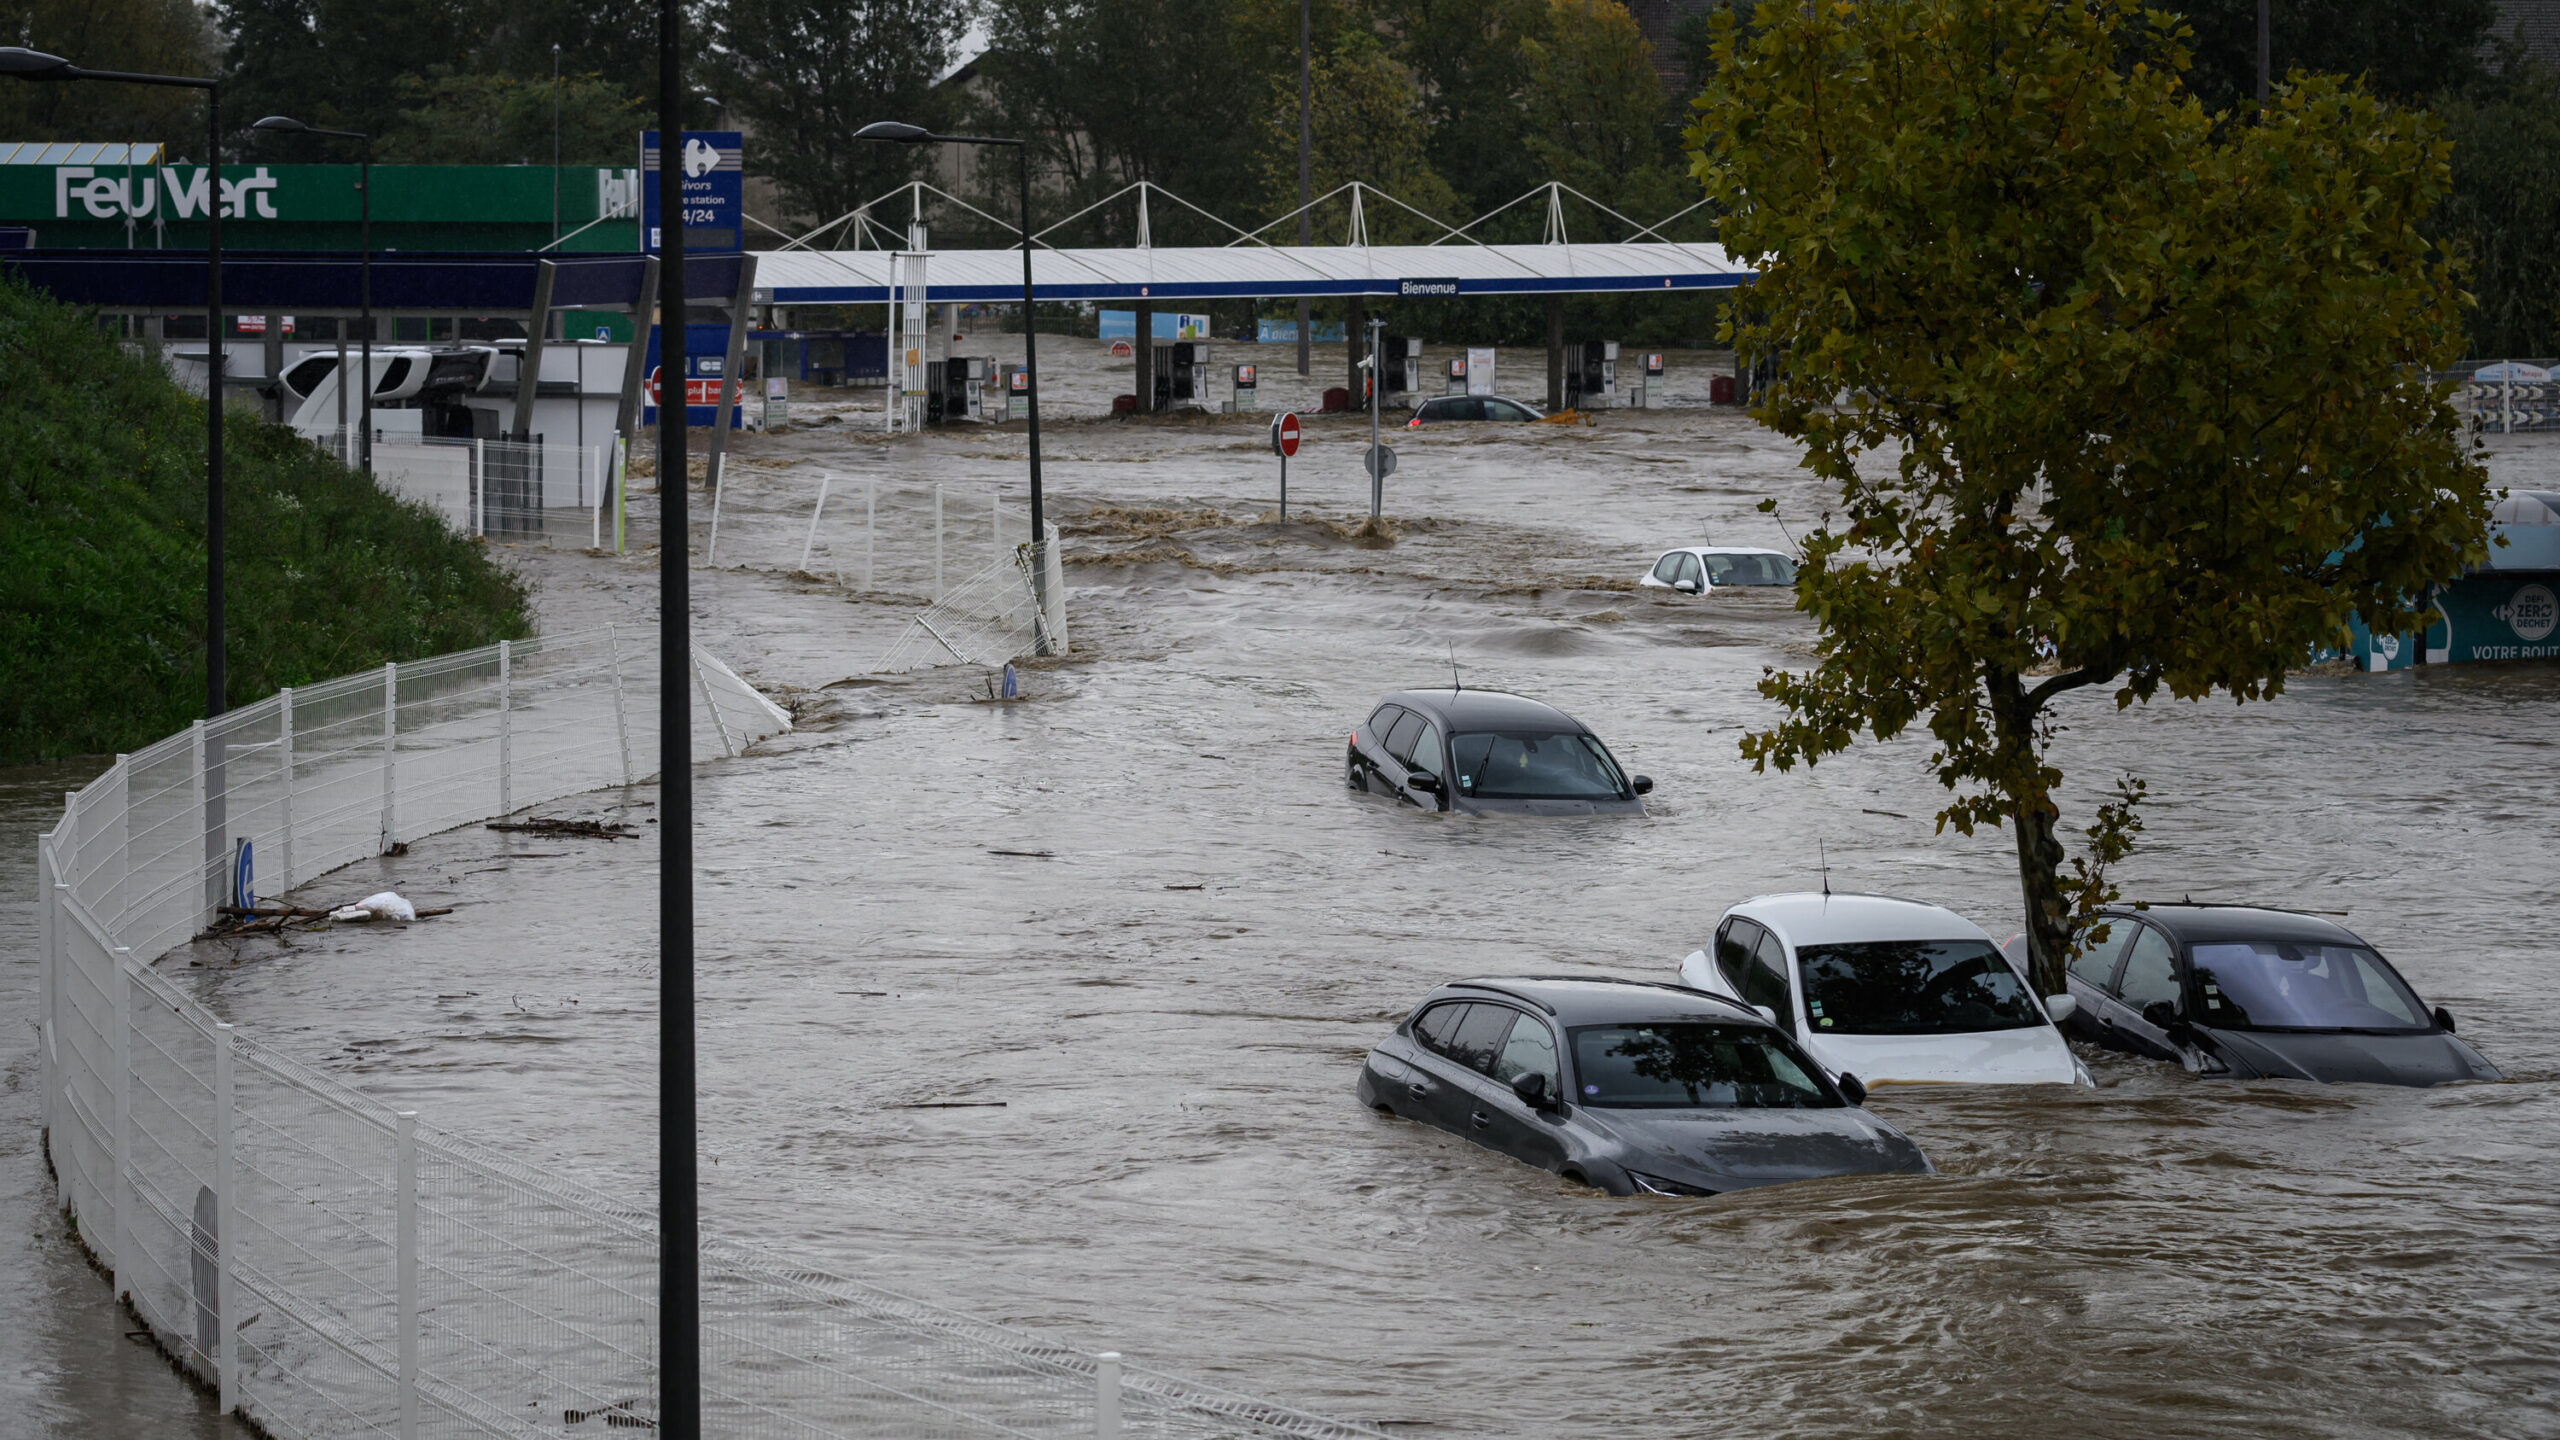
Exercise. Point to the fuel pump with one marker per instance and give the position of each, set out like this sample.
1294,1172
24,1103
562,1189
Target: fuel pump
1458,375
1244,387
1402,362
1651,385
1182,374
1017,392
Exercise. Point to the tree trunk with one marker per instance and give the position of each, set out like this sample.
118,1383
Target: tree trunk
2031,819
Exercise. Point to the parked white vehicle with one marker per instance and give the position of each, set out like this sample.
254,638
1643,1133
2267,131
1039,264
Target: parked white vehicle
1891,991
1697,569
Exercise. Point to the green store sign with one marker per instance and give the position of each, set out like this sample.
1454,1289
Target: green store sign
294,206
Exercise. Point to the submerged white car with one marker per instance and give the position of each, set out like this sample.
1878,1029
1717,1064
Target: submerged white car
1891,991
1697,569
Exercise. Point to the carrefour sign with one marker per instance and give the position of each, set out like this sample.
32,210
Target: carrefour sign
136,196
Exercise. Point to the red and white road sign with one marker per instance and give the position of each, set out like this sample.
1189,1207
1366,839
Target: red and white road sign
697,392
1284,435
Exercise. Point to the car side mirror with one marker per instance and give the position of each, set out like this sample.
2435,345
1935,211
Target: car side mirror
1531,1087
1852,1089
1685,587
2161,1014
2444,1020
1766,1013
1641,784
2061,1007
1423,781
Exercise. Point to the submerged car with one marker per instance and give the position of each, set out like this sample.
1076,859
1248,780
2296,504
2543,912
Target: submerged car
2248,992
1633,1087
1697,569
1896,991
1444,408
1484,752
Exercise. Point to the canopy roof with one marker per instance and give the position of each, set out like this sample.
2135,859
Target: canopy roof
861,277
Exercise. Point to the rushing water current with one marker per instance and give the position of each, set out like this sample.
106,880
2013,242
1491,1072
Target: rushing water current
1137,920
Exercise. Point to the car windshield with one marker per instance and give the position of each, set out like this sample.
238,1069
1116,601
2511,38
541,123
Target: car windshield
2283,985
1680,1066
1750,569
1515,765
1912,987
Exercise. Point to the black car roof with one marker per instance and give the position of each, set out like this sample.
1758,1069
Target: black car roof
1460,709
2208,923
1603,999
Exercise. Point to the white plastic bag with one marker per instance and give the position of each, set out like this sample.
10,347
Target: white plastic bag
385,906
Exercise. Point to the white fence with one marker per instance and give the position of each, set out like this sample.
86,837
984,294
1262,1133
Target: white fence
336,1268
501,489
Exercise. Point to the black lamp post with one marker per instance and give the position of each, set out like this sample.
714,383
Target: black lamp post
24,64
679,1176
286,125
897,132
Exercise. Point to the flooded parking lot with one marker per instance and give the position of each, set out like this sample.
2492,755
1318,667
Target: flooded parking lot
1052,1010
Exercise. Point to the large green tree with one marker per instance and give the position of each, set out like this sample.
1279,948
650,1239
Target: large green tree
2111,395
167,37
807,75
2397,49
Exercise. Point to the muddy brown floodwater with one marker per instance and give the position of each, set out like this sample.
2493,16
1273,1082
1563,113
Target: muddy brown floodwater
1137,915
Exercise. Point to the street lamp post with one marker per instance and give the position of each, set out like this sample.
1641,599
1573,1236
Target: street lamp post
897,132
27,64
286,125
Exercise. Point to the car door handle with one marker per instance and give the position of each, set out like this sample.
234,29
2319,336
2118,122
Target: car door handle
1480,1119
1417,1088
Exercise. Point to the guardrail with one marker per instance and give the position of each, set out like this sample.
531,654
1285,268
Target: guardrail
332,1266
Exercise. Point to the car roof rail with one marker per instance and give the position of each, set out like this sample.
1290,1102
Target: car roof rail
1496,987
2185,902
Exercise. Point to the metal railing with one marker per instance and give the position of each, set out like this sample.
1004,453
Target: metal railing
332,1266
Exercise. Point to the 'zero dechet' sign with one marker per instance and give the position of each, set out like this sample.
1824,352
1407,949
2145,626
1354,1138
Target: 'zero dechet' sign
1284,436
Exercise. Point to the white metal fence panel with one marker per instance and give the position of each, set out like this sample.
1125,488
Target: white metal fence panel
333,1268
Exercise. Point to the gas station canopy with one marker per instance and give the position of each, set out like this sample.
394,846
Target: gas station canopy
861,277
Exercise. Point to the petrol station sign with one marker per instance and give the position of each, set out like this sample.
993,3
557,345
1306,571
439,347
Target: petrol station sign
715,197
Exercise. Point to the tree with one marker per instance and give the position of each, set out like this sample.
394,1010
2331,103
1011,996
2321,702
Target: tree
502,120
2111,395
808,74
165,37
1115,91
2398,49
2505,207
1471,62
1367,126
1597,118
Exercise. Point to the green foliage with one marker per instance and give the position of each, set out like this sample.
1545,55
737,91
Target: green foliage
2111,394
1366,126
166,37
102,558
450,119
2504,208
2397,49
808,74
413,69
1597,118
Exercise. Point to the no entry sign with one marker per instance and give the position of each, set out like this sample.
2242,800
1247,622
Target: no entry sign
697,392
1284,436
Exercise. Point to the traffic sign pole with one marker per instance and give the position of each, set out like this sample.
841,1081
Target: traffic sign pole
1284,443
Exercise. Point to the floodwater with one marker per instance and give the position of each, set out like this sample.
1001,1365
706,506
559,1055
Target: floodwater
1137,922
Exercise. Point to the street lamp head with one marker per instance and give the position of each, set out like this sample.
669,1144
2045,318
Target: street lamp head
897,131
282,125
25,64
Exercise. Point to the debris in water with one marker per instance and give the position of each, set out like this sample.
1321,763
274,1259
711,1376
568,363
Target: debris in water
587,829
1026,854
385,905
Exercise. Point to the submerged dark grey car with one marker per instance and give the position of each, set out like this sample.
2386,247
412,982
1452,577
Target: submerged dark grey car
2245,992
1633,1087
1483,752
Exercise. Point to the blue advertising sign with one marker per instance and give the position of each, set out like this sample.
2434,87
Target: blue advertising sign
714,191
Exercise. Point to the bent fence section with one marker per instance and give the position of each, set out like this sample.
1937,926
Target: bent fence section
336,1267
